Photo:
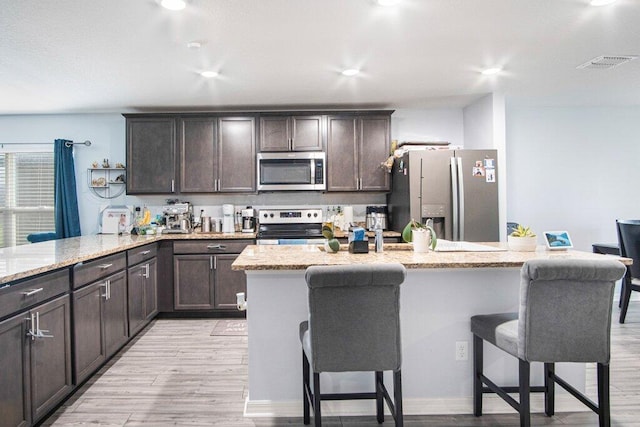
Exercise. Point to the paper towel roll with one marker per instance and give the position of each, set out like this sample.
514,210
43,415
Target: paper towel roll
348,215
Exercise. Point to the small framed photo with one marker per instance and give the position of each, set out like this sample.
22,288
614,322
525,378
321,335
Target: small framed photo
557,240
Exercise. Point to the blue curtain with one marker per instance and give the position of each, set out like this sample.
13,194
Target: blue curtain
65,195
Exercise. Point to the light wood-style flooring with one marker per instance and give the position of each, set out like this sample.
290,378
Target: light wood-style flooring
175,373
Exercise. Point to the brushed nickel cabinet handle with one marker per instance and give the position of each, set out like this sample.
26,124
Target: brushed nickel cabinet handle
146,271
218,246
32,292
104,266
145,252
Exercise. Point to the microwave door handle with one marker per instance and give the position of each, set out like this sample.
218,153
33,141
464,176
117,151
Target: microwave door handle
313,171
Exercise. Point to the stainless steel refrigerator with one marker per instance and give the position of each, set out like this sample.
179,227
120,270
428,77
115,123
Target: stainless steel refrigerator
458,189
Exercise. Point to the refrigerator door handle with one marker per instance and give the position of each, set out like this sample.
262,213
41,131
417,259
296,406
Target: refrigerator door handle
461,199
454,199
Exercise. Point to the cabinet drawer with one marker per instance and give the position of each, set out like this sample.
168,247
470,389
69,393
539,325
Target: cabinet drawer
90,271
33,291
143,253
211,246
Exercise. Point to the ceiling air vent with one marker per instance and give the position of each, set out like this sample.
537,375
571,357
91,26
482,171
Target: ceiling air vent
605,62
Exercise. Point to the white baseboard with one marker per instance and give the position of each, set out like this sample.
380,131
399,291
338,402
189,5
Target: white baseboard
490,405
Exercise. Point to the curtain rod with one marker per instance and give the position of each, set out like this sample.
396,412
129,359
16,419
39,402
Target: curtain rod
67,144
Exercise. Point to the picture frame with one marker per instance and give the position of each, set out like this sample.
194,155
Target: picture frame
557,240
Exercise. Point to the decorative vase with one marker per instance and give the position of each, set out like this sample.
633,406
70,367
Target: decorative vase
522,244
328,249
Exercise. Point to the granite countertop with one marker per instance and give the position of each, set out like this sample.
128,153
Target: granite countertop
18,262
300,257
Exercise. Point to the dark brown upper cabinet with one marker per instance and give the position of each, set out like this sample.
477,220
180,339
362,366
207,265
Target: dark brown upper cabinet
217,154
291,133
151,155
356,147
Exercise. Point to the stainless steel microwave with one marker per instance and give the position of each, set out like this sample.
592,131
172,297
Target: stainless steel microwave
292,171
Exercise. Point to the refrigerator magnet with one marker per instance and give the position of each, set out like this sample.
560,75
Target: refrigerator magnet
478,169
489,163
491,174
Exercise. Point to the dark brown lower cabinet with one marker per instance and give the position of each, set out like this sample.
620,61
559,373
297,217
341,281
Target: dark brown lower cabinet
35,367
143,294
100,323
206,282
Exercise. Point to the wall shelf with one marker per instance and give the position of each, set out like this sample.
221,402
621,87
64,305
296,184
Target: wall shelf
106,183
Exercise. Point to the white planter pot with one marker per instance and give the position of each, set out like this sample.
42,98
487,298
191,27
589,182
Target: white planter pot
522,244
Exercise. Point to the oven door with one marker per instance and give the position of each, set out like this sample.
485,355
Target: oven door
291,171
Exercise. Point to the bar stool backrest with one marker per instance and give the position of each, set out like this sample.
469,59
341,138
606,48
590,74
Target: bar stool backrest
354,322
565,310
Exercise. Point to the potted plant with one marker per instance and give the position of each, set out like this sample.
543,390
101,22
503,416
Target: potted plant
415,226
331,245
522,239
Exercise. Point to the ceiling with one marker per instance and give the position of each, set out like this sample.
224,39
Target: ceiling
77,56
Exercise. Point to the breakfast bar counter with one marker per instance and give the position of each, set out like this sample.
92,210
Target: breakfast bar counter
441,292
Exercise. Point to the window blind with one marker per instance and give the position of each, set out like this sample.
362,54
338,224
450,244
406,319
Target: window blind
26,195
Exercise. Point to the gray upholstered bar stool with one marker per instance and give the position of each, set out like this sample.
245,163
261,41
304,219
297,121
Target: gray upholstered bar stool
565,316
354,325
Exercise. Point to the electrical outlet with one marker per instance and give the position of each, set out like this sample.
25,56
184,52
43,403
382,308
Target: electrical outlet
462,350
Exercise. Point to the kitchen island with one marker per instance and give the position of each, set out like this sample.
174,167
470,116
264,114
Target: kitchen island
441,292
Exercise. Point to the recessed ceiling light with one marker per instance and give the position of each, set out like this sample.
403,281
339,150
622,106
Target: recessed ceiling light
491,71
350,72
194,45
173,4
388,2
601,2
208,74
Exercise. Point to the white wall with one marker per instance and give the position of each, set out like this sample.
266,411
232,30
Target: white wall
574,169
443,124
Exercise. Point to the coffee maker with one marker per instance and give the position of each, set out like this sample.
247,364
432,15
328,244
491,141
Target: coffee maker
228,219
248,220
178,218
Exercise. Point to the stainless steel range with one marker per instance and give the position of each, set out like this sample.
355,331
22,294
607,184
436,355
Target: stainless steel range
289,226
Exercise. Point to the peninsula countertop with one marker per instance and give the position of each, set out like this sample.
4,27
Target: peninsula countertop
299,257
18,262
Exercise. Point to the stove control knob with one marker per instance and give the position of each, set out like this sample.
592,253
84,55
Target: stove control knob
315,214
309,215
271,215
265,215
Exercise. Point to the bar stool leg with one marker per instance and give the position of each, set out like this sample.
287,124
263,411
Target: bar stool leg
604,406
477,372
317,416
397,397
379,397
525,407
626,297
305,387
550,391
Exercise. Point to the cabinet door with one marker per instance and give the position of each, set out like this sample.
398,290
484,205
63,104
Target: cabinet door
151,290
275,134
236,154
143,291
51,357
227,282
193,288
115,328
198,157
151,159
374,145
87,329
14,372
306,133
342,154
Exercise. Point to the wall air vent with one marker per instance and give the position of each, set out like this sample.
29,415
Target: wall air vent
607,61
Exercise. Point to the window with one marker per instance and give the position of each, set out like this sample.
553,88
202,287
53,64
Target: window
26,195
